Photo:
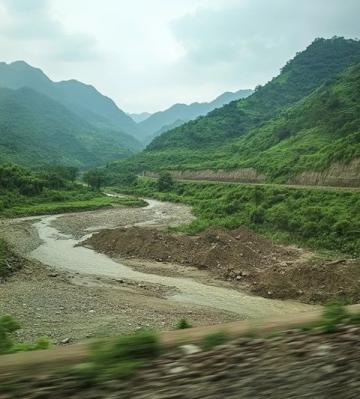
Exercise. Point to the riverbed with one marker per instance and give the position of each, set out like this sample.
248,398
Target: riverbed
99,283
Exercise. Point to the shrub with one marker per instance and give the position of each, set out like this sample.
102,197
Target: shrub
125,354
7,326
183,324
214,339
165,182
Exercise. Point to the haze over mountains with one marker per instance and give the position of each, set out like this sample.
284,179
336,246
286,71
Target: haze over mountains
274,131
178,114
82,99
75,113
305,119
67,122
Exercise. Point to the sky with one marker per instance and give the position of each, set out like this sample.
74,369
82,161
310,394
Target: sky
149,54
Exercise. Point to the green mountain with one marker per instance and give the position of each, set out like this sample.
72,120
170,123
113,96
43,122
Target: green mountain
140,117
305,119
83,100
177,114
36,130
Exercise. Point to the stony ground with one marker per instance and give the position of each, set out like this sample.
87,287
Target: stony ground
251,261
70,307
291,365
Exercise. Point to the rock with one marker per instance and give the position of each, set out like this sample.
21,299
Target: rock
190,349
53,274
328,369
65,341
119,280
177,370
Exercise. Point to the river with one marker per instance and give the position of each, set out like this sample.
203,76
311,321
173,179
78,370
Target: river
61,251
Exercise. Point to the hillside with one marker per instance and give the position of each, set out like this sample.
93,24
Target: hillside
82,99
36,130
305,119
140,117
161,121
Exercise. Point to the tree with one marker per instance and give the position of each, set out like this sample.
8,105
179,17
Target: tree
94,178
165,182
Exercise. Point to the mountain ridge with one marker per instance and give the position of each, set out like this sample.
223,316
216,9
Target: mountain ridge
235,136
155,124
36,130
82,99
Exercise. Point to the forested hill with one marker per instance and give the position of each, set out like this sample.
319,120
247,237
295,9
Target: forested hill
36,130
82,99
178,114
321,61
304,120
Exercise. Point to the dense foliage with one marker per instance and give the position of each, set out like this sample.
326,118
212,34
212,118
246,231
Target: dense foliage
26,192
180,113
319,218
81,99
36,130
319,63
304,119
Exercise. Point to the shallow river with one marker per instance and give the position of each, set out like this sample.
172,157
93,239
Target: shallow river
60,251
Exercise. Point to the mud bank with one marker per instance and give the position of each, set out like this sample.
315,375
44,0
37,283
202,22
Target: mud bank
70,292
252,262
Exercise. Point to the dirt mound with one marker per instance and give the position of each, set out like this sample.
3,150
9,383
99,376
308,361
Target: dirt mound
251,261
313,281
230,254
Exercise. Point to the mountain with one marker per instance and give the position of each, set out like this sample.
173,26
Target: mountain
305,119
140,117
82,99
155,124
36,130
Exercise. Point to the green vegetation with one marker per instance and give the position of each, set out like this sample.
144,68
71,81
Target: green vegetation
183,324
178,114
37,131
81,99
7,328
27,193
318,218
118,358
334,315
165,182
305,119
210,341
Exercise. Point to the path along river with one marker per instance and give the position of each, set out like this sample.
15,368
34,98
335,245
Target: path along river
60,251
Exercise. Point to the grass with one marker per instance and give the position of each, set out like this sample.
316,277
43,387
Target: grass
334,315
119,358
210,341
68,205
321,219
8,326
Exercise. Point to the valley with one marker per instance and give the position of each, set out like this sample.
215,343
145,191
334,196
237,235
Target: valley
119,294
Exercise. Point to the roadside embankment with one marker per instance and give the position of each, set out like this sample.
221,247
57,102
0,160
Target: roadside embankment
273,358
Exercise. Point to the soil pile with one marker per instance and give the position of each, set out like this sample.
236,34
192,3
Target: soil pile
230,254
251,261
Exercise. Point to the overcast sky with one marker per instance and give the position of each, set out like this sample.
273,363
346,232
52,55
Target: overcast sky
150,54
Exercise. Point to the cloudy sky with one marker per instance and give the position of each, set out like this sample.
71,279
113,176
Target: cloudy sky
149,54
